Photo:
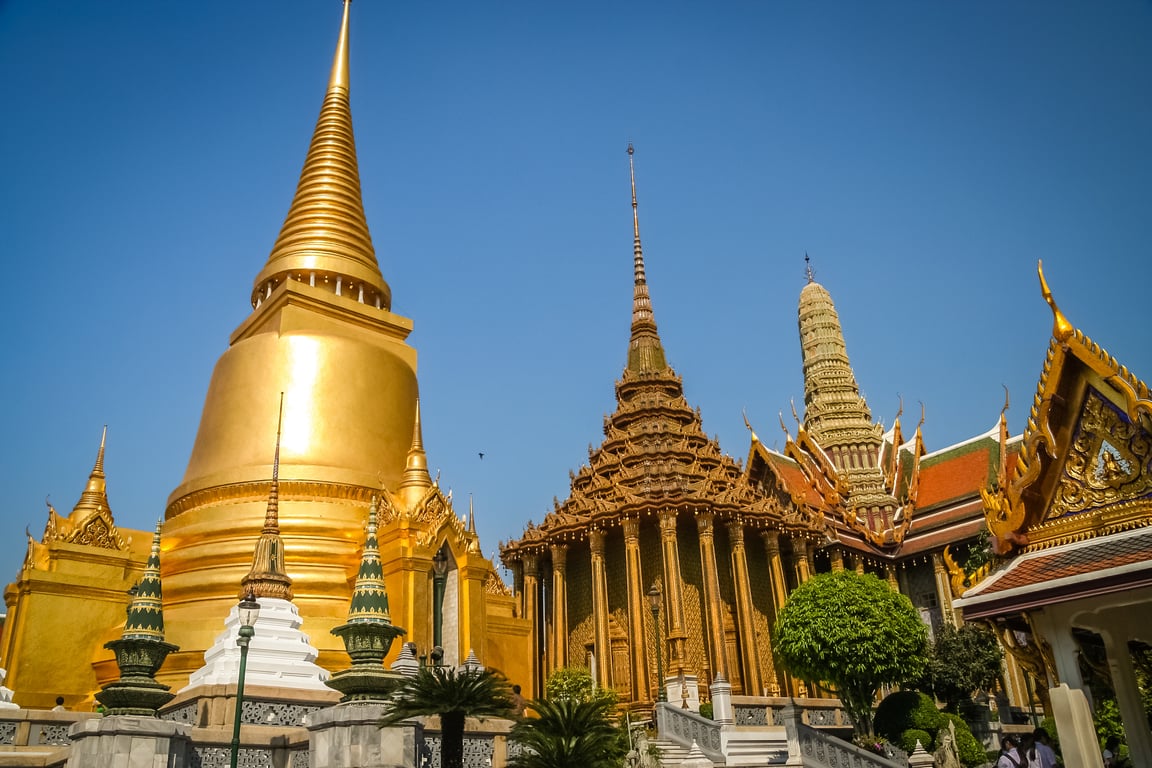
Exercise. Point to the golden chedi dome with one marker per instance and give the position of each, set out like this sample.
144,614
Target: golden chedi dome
322,333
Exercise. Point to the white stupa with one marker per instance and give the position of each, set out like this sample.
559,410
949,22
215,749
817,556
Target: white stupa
279,654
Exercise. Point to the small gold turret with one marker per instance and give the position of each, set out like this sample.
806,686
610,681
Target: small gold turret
95,495
645,352
325,239
268,577
416,481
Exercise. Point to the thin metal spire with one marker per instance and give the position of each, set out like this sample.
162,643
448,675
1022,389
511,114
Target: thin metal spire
645,352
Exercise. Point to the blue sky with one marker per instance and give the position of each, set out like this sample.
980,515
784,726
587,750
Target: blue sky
924,154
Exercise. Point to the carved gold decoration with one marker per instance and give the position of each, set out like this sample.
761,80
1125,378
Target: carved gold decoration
1093,474
1106,463
960,580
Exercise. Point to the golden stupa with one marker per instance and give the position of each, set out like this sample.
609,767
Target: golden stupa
322,333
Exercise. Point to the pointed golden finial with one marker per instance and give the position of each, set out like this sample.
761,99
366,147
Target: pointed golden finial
1002,465
268,576
808,273
95,495
796,416
1061,328
272,513
325,239
922,412
98,469
415,481
645,351
900,409
339,77
748,424
471,517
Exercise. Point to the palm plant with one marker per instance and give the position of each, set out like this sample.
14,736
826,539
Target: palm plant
568,733
453,696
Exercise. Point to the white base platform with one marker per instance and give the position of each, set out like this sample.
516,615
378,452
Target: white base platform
280,655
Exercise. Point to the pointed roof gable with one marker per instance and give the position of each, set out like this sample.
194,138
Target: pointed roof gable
1084,467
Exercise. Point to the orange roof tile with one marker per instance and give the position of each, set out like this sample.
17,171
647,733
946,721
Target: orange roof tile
955,477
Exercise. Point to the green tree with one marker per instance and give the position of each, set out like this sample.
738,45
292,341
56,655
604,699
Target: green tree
854,634
576,683
453,696
568,732
960,663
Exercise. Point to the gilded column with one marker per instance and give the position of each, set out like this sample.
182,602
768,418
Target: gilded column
803,561
775,571
858,564
943,590
718,650
890,575
673,593
532,614
559,655
603,646
749,652
837,560
636,609
779,597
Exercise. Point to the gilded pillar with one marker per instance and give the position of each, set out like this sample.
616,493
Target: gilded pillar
673,592
749,652
532,614
603,644
837,557
858,564
718,650
779,597
943,590
775,571
890,575
637,609
803,561
559,654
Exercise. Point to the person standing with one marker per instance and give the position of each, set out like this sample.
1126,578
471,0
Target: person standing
1008,756
1042,746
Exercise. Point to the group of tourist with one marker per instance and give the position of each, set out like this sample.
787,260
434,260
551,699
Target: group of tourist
1029,750
1034,750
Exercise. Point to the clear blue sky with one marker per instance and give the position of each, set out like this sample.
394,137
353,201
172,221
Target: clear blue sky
925,155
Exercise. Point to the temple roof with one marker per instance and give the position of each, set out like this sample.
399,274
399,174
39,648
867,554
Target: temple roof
655,455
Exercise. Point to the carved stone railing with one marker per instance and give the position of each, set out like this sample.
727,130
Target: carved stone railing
767,710
822,750
683,726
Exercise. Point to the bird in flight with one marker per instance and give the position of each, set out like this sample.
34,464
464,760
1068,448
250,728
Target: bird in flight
481,454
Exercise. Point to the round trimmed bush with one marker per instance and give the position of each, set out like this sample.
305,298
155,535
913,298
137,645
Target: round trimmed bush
907,709
909,738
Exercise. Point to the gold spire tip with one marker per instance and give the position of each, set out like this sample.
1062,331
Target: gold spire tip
1061,328
339,77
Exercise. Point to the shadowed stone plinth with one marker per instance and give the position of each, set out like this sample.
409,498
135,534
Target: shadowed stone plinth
349,736
139,742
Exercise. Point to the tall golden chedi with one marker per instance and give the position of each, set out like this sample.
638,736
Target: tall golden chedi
657,503
322,333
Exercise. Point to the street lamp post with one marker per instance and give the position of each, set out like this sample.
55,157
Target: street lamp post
654,603
248,610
